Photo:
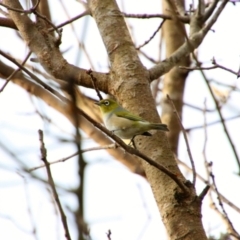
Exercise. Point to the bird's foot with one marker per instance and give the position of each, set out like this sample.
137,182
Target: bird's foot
148,134
132,143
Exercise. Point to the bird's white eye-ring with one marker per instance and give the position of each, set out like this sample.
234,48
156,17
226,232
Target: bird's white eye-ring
106,103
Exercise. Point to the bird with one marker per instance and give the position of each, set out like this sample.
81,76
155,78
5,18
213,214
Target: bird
123,123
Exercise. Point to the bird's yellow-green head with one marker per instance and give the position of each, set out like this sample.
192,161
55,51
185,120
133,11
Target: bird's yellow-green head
107,105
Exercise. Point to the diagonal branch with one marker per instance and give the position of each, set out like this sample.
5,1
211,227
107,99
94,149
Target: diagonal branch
222,121
186,140
7,22
131,162
52,185
137,153
153,35
15,71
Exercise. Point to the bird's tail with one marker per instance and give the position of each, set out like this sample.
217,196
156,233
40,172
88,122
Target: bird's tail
159,126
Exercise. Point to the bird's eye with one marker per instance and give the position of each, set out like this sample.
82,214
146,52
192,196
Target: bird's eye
106,103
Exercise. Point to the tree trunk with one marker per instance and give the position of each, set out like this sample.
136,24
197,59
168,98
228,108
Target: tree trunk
130,84
174,80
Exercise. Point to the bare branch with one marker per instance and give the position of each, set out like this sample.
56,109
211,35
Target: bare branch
94,82
212,123
222,121
216,65
231,228
7,22
214,18
52,185
210,10
148,57
194,41
224,199
109,233
186,140
198,68
204,192
15,71
184,19
39,81
200,8
153,35
31,10
222,67
85,13
111,146
137,153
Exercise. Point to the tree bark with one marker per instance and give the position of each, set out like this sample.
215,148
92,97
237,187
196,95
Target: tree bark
130,84
174,80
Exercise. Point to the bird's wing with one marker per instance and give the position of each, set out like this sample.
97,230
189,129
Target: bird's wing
129,116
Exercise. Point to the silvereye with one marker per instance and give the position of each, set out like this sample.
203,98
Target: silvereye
123,123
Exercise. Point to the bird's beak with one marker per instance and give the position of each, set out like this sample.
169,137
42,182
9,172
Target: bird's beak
97,103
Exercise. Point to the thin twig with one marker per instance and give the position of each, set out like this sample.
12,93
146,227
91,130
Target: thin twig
52,185
110,146
85,13
109,233
216,65
94,82
31,10
222,67
229,223
208,166
184,19
31,217
15,71
204,192
198,68
198,108
185,138
147,16
212,123
204,149
238,73
39,81
148,57
76,34
222,121
224,199
153,35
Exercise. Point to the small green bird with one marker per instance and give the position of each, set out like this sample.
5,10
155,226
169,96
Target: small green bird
123,123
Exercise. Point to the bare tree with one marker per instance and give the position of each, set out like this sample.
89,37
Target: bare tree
129,81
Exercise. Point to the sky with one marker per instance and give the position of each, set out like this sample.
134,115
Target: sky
115,198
